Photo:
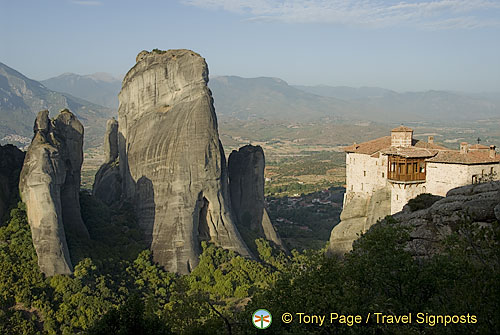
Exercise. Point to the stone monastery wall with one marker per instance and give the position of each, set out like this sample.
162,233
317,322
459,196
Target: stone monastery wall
364,173
441,178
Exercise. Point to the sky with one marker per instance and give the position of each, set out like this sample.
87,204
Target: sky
404,45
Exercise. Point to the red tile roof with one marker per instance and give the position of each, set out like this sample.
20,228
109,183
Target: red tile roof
370,147
410,152
471,157
479,147
427,145
384,143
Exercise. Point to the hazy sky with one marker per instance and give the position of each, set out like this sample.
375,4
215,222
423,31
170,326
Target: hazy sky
401,44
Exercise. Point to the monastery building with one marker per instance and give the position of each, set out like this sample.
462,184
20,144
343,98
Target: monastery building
410,167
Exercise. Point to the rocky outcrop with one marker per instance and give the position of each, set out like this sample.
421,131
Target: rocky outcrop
50,185
171,160
246,183
11,162
430,226
359,213
108,181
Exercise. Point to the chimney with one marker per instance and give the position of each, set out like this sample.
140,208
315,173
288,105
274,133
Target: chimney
430,139
493,153
464,147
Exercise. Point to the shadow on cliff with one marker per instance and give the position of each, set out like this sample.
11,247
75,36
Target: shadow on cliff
140,194
120,203
145,207
114,231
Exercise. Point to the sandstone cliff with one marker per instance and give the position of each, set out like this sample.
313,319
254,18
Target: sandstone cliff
107,183
478,203
360,212
246,183
171,160
11,162
50,184
428,226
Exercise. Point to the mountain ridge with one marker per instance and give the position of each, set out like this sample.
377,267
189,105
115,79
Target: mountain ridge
273,98
100,88
21,98
235,97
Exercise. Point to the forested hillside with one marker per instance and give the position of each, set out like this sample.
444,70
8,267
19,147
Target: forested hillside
117,289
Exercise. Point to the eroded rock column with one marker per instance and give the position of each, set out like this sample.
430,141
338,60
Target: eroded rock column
171,160
50,185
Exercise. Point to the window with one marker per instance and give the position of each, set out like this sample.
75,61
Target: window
492,171
415,167
361,186
352,187
383,175
364,173
397,197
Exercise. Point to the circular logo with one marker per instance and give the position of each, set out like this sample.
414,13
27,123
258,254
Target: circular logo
262,318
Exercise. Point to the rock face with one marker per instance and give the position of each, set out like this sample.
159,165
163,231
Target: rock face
107,183
476,203
246,183
50,185
360,212
11,162
171,160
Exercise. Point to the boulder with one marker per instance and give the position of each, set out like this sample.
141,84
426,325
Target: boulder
467,204
50,185
246,183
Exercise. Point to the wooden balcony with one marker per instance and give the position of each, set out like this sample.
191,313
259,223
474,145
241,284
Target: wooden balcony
406,177
400,169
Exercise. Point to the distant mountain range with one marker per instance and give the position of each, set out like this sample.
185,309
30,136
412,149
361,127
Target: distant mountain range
375,103
273,98
22,98
99,88
237,98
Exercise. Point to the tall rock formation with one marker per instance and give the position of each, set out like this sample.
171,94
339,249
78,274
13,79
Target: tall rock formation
108,181
50,185
246,183
359,213
171,159
11,162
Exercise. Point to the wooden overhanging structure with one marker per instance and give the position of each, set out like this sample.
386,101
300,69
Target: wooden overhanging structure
407,164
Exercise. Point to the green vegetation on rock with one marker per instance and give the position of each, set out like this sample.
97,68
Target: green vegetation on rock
113,292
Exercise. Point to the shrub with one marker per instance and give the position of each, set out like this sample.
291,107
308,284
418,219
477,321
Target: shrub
422,201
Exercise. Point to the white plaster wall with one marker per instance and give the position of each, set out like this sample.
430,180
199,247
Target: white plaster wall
440,177
364,173
402,193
